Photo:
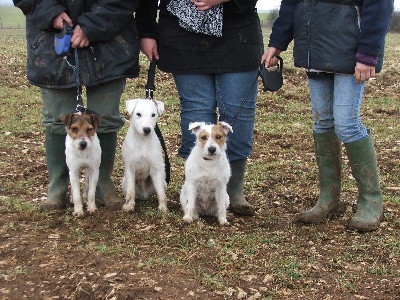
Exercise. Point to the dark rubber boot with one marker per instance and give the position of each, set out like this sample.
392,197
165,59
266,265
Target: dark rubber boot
57,196
238,204
105,192
362,159
328,155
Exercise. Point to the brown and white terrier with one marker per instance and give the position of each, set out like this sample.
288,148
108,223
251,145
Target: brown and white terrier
207,173
82,150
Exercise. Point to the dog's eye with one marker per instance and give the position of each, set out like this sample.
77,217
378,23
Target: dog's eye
139,114
204,138
153,115
218,137
74,129
90,129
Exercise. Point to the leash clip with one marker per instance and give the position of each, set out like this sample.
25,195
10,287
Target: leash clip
149,93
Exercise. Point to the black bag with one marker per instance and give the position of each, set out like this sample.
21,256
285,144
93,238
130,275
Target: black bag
272,79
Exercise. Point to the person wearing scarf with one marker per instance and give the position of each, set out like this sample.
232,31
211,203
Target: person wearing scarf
213,49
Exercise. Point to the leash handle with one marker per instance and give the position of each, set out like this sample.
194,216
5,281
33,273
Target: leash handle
151,74
272,79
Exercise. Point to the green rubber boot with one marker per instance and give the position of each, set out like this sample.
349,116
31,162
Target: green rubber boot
328,155
362,159
238,204
105,191
57,194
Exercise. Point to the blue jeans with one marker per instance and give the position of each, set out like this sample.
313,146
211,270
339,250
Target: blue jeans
103,99
336,105
200,97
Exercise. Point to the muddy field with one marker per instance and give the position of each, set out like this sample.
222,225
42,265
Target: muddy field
150,255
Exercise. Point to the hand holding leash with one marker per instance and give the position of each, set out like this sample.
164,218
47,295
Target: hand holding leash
62,40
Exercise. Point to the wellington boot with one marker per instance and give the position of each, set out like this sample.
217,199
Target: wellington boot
105,191
328,155
57,196
238,204
362,159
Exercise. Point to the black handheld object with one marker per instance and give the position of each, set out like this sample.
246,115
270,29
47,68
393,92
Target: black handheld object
62,40
272,79
151,74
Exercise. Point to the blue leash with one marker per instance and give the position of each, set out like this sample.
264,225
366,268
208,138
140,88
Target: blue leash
80,108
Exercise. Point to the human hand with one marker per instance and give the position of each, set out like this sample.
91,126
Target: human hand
269,57
58,21
363,72
79,38
148,46
207,4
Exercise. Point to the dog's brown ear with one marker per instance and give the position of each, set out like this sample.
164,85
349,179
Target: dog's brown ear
226,127
67,120
195,126
96,119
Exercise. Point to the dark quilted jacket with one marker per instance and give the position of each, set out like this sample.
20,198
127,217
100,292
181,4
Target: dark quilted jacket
110,27
328,34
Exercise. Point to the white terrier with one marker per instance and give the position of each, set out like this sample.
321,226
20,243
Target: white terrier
82,150
207,173
144,167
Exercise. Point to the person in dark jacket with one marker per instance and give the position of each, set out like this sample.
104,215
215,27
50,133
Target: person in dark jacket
105,37
213,49
340,43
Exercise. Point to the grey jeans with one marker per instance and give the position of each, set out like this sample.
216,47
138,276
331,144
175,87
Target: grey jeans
103,99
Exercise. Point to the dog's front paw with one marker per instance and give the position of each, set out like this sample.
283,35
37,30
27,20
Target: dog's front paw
128,207
79,213
163,208
188,219
92,209
223,221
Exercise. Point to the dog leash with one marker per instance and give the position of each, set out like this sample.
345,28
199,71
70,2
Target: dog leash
80,108
272,81
150,88
242,104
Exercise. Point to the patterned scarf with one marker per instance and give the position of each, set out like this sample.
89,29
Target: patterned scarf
190,18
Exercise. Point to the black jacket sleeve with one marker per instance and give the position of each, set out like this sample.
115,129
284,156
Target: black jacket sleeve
282,29
375,22
240,6
146,18
105,19
40,12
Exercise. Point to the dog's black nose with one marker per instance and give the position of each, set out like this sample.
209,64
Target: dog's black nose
212,150
146,130
82,145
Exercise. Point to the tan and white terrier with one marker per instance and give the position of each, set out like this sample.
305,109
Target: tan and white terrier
207,173
82,150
